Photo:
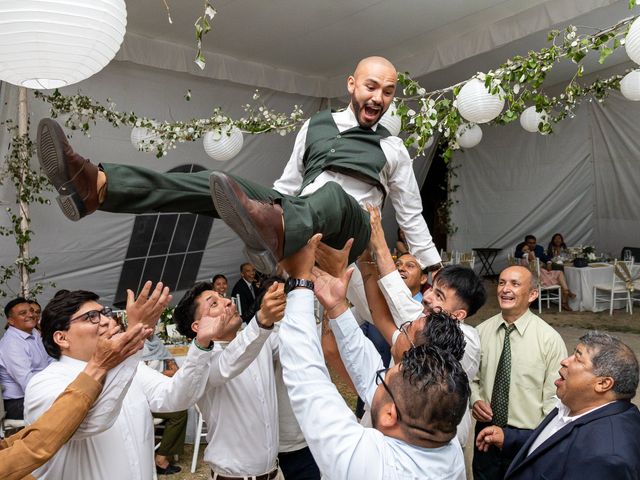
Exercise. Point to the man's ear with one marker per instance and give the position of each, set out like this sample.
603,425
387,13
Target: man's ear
460,314
423,279
60,339
351,84
604,384
195,325
388,415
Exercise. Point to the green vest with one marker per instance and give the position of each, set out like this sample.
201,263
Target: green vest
355,152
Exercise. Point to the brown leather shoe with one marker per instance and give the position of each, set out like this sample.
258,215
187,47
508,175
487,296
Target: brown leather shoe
258,224
73,177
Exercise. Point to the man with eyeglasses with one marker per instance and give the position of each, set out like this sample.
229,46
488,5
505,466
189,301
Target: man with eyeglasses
415,407
115,441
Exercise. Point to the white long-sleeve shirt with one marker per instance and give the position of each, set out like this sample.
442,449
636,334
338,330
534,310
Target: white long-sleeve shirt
340,445
115,441
397,177
404,308
239,404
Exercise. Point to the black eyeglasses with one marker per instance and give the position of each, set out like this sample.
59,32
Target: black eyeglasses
403,329
380,380
93,316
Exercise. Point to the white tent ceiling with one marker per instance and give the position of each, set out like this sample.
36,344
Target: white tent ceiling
309,46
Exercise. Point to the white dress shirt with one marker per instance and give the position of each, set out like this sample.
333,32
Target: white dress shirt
397,177
404,308
239,404
115,441
342,448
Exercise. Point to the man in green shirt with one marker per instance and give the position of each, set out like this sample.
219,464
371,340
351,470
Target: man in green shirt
520,359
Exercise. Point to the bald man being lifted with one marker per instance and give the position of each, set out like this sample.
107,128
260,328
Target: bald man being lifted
340,161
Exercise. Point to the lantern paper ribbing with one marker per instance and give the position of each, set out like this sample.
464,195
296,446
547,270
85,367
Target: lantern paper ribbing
632,42
468,135
530,119
630,85
391,121
223,146
476,104
144,139
53,43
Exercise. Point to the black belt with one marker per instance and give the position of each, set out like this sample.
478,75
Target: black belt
265,476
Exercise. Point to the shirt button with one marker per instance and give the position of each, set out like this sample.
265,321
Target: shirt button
333,150
338,136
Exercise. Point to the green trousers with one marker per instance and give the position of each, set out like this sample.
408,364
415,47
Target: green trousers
175,429
329,210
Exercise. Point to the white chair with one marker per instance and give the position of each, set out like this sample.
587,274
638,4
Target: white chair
466,259
8,424
511,259
201,432
547,292
616,290
448,258
157,423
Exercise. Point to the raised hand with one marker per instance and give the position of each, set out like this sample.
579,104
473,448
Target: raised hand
300,263
147,308
113,347
376,240
273,304
332,291
331,260
490,436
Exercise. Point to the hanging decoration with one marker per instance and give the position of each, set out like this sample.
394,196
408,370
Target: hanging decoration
144,139
468,135
630,86
530,119
391,121
632,42
54,43
476,104
223,145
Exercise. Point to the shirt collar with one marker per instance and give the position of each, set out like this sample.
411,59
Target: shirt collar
521,323
20,333
563,412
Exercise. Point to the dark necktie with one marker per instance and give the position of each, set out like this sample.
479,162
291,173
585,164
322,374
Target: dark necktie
500,394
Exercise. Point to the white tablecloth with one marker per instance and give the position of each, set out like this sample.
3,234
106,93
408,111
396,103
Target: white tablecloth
581,282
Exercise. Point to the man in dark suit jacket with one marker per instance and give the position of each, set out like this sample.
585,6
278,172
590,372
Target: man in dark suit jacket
247,290
594,432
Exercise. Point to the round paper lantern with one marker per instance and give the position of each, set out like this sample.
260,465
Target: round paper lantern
476,104
391,121
630,85
53,43
632,42
223,146
468,135
144,139
530,119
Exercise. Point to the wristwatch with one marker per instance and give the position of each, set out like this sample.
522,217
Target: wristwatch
292,283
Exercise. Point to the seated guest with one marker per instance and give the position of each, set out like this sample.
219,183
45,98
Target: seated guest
21,355
415,405
37,311
156,356
557,247
116,438
594,431
531,242
239,402
220,284
34,445
247,290
401,244
548,277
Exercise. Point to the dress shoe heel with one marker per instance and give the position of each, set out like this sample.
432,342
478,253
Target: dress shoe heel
263,260
69,207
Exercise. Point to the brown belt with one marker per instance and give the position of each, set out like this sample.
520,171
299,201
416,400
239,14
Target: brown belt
265,476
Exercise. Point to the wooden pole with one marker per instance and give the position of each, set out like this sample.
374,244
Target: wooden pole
23,129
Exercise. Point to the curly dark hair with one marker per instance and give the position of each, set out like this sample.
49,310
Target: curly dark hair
443,331
185,311
433,390
58,312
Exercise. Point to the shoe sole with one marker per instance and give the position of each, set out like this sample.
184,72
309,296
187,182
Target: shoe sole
233,213
52,163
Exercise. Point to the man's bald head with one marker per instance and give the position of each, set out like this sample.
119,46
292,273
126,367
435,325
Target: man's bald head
516,290
372,87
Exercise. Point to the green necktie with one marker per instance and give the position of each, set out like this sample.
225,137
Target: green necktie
500,394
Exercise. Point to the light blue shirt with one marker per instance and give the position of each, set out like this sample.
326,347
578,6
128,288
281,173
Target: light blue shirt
22,355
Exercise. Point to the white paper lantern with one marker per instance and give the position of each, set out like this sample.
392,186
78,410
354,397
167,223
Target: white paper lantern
630,85
416,140
632,42
476,104
530,119
391,121
468,135
223,146
144,139
53,43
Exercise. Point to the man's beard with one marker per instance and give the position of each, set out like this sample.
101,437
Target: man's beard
357,108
